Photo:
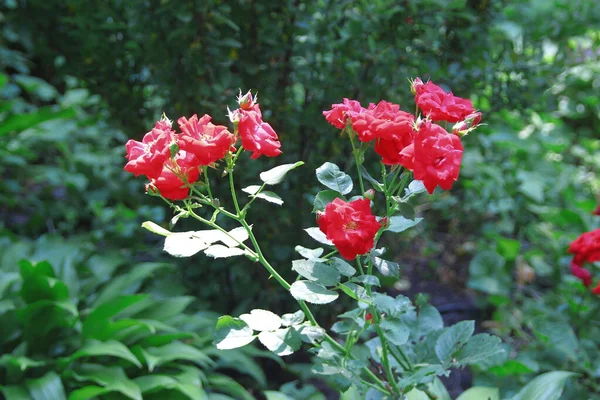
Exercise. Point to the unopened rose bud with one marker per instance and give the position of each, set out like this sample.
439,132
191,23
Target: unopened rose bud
414,85
369,317
369,194
246,101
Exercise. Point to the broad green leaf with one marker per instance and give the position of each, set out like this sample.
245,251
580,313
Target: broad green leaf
310,254
414,187
435,387
548,386
157,356
399,223
261,320
88,392
391,306
271,395
510,367
227,385
48,387
241,362
356,292
165,308
395,331
488,275
282,341
480,393
6,280
318,235
96,324
276,175
20,122
365,174
95,348
385,267
330,175
155,228
311,334
220,251
312,292
323,198
111,378
161,383
429,320
292,319
231,333
557,334
318,272
478,348
452,339
265,195
186,244
21,362
129,282
367,280
508,248
343,267
15,393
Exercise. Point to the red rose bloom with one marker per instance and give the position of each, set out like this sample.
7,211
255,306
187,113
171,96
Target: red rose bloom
437,157
384,120
596,290
257,136
208,142
168,183
393,150
581,273
440,105
586,248
350,226
148,156
339,113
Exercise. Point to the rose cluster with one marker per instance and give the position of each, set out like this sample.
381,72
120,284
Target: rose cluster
418,143
585,249
173,161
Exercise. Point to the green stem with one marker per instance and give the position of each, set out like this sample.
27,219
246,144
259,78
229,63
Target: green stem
207,182
247,206
357,162
376,320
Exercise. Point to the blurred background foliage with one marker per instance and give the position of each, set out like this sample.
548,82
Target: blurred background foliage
80,78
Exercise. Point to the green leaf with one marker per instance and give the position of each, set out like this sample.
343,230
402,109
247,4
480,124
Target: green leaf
395,331
311,334
365,174
318,272
269,196
227,385
318,235
414,187
488,275
478,348
391,306
95,348
6,280
330,175
88,392
96,325
548,386
220,251
508,248
128,283
452,339
282,341
113,379
385,267
231,333
510,367
20,122
343,267
356,292
557,334
261,320
312,292
48,387
310,254
20,362
271,395
429,320
15,393
400,224
276,175
323,198
157,383
480,393
155,228
367,280
292,319
157,356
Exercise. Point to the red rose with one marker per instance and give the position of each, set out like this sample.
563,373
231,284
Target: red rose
586,248
169,184
384,120
393,150
338,115
369,317
148,156
596,290
581,273
440,105
437,157
208,142
257,136
350,226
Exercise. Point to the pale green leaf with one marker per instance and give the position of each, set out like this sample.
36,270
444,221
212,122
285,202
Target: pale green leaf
261,320
276,175
312,292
